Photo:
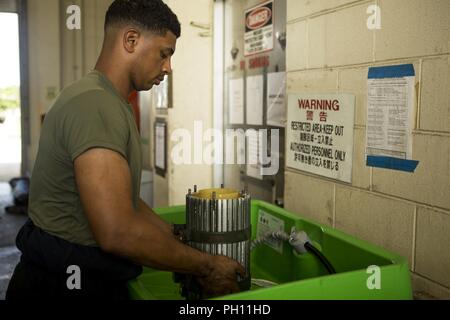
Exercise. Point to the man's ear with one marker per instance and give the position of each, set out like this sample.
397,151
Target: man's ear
131,39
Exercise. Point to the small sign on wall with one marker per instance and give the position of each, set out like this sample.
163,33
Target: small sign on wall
320,134
161,147
259,35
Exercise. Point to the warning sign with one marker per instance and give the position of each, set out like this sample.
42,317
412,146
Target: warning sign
320,135
259,29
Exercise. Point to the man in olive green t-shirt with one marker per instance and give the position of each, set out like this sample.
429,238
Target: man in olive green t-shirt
84,205
88,114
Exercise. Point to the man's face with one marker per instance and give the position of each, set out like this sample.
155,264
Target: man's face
153,60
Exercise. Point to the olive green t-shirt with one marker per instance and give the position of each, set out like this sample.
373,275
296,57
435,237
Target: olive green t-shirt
88,114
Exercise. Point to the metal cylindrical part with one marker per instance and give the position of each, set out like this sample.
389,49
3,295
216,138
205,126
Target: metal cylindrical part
218,223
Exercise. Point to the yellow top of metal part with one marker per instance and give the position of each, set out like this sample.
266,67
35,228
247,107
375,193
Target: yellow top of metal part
225,194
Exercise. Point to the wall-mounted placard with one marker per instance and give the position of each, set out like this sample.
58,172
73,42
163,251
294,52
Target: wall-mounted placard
161,147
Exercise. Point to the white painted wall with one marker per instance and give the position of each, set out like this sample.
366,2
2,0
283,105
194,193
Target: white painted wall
329,50
192,92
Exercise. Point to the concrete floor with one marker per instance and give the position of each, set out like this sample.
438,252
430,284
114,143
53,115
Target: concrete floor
9,226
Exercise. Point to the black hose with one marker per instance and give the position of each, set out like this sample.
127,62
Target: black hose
321,257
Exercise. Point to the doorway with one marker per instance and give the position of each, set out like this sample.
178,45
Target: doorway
10,101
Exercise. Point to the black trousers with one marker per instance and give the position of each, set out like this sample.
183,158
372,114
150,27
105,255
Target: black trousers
44,270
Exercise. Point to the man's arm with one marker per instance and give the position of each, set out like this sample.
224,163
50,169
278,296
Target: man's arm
119,230
152,217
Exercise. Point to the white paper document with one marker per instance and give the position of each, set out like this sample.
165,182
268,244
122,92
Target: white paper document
253,164
236,101
255,100
276,99
390,117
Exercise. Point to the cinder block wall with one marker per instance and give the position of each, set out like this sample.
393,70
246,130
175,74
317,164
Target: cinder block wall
329,50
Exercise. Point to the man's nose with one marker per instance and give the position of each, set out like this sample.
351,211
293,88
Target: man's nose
167,67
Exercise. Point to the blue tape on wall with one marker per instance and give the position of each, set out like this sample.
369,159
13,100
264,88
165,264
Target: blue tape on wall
392,163
403,70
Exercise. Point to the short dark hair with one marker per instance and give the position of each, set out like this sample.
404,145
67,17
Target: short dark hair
151,15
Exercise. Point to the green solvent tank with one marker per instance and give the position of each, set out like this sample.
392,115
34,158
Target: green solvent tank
363,271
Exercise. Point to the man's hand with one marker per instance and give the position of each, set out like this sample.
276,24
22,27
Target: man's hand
222,278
